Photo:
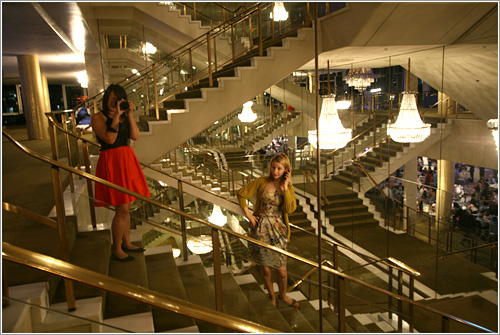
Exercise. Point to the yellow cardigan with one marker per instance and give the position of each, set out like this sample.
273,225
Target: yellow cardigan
257,187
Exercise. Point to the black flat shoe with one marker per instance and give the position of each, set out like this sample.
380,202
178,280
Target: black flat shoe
126,259
133,250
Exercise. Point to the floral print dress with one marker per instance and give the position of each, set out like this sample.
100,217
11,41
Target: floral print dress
270,229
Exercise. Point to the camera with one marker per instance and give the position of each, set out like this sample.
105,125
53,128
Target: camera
124,105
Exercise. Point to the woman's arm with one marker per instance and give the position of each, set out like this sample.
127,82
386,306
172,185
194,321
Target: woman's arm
289,202
98,123
243,195
134,129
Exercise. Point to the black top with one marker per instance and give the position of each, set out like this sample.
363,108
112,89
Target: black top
123,137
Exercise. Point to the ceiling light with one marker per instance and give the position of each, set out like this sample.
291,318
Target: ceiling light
408,127
360,78
247,115
493,127
332,134
217,218
148,48
200,245
279,12
83,79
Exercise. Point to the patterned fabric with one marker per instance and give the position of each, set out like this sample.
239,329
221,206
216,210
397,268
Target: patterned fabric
270,229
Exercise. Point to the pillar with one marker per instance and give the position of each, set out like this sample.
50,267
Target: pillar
444,194
46,94
34,104
97,74
410,195
443,103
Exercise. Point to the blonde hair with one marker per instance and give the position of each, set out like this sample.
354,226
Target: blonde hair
283,160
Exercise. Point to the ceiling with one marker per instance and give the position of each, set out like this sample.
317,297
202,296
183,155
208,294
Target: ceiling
59,35
55,32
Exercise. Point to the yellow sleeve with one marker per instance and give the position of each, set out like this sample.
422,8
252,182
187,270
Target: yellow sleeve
289,202
247,191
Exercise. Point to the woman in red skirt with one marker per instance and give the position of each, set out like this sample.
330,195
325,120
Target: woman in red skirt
117,163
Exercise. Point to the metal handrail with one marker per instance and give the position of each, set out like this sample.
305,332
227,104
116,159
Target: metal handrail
341,276
78,274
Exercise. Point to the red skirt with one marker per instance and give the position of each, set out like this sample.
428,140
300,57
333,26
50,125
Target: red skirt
119,166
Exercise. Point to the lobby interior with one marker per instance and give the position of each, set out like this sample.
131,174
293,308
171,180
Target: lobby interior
447,52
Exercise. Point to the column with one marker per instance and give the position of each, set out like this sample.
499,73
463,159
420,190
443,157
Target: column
443,103
410,195
444,195
34,104
96,73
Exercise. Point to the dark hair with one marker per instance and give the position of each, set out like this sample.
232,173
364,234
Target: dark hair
119,92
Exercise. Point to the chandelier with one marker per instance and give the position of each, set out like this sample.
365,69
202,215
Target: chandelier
360,78
247,115
408,127
279,12
148,48
493,127
217,218
332,135
200,245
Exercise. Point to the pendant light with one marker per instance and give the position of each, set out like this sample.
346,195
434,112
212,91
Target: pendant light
217,218
332,134
247,115
408,127
360,78
493,127
279,12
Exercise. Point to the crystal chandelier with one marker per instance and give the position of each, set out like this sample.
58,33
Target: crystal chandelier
493,127
247,115
200,245
148,48
332,135
217,218
279,12
408,127
360,78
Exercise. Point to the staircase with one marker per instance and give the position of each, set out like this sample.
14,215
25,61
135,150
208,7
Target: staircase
252,75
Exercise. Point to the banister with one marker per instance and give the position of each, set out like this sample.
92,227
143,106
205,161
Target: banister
231,232
78,274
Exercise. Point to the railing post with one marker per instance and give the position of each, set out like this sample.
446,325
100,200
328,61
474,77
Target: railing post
68,150
217,270
157,108
445,324
61,218
389,302
430,229
341,304
209,55
183,221
5,289
400,302
215,53
261,48
73,125
232,41
412,307
90,190
335,277
194,10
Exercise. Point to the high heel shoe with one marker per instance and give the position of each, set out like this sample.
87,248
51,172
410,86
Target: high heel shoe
294,304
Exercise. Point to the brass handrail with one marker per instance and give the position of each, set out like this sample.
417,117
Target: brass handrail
52,121
78,274
338,274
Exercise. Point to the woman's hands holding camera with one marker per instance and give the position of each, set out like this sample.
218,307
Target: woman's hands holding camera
124,106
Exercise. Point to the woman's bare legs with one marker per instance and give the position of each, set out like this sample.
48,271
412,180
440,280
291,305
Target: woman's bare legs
281,279
268,282
120,226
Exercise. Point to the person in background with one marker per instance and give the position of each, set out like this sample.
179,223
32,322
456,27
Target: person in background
275,200
114,127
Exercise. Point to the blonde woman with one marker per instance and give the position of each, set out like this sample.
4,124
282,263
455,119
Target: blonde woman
275,199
